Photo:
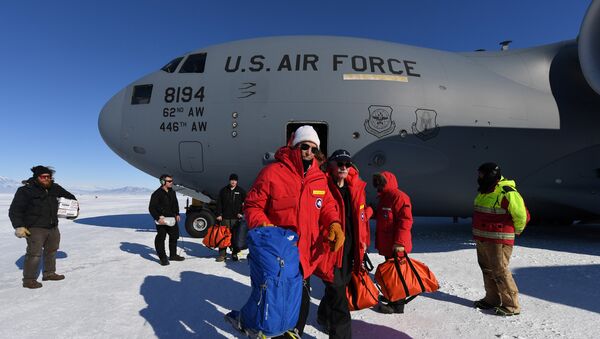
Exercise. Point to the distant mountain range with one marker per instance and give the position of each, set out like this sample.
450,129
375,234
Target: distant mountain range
8,185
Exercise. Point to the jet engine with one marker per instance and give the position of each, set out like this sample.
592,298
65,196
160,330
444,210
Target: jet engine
589,46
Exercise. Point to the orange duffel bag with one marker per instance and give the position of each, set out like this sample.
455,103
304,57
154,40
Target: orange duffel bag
404,278
217,236
361,291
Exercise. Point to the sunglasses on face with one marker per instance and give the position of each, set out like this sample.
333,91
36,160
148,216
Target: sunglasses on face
344,164
45,176
168,180
305,147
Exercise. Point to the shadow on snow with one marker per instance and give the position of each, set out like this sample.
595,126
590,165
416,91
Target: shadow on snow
20,263
195,306
575,286
441,235
139,222
191,307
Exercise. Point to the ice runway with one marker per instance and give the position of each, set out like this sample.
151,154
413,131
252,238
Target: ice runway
115,288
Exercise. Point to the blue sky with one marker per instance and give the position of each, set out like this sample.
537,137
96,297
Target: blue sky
62,60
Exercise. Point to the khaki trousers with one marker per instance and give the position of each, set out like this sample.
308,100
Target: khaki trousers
41,240
500,287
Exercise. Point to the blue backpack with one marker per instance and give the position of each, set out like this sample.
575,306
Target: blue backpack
274,303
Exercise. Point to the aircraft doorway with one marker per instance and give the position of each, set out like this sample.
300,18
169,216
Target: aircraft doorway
320,127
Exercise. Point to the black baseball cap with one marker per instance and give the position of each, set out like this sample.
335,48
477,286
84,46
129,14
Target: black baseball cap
340,155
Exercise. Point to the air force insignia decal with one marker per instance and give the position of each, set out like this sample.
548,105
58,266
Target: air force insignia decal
380,121
425,126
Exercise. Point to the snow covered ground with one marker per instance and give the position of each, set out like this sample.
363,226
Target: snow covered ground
115,288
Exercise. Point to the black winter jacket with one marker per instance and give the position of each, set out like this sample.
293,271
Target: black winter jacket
230,202
163,203
34,206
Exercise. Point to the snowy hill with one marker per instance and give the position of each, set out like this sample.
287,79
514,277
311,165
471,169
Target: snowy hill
8,185
129,190
115,288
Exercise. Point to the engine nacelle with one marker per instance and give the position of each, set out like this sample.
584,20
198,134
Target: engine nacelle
589,46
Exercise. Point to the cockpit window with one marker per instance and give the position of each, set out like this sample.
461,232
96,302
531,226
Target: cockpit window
194,64
141,94
172,65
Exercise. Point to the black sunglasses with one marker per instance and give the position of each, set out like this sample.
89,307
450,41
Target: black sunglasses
305,147
344,164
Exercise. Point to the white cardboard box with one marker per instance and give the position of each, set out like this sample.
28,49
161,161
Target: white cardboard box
68,208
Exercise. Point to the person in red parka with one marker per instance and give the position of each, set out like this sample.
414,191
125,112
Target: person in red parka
393,224
349,191
292,193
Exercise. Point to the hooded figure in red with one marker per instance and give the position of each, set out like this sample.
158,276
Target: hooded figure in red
394,222
393,215
292,193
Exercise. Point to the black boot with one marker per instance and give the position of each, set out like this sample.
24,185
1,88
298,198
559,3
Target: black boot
176,257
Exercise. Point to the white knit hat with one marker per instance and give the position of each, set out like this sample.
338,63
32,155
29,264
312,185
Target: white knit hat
306,133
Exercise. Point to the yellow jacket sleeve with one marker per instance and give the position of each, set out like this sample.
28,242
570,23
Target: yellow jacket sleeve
517,210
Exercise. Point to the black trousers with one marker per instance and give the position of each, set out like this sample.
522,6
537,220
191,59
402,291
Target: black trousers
233,226
161,235
333,309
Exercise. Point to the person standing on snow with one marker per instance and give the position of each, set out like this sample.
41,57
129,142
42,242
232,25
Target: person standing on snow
336,268
229,212
393,225
499,214
33,214
163,205
292,193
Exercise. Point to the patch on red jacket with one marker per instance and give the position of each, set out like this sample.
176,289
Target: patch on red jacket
319,203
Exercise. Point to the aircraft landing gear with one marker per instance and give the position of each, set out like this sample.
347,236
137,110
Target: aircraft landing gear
198,220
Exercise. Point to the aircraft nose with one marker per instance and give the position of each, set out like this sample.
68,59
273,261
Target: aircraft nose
111,120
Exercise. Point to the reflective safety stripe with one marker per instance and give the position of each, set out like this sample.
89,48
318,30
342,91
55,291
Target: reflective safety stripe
386,208
493,235
490,210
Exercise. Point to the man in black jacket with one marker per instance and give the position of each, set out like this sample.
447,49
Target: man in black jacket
33,214
229,211
164,208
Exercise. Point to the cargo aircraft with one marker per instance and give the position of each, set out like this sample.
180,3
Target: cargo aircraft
431,117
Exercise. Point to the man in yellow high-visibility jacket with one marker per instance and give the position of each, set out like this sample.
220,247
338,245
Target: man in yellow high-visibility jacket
499,214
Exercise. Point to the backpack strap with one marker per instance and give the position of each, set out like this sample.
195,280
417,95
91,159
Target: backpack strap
506,189
367,263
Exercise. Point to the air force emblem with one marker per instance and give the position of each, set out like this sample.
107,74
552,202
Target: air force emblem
380,121
425,126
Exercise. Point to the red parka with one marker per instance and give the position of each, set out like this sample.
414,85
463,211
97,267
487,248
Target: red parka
282,196
360,220
394,218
